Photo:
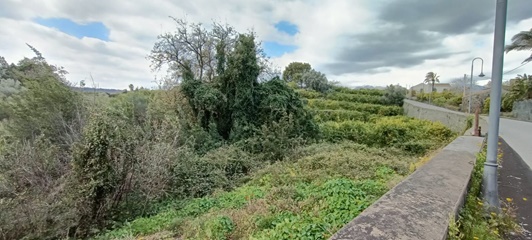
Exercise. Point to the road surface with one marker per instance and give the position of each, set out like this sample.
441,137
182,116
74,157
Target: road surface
518,135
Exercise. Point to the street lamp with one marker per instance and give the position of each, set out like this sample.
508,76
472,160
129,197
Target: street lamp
471,83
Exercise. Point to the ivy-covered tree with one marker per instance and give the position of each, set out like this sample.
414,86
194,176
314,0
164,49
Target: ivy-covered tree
219,71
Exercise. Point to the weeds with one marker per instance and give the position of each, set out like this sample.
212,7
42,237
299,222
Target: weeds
474,222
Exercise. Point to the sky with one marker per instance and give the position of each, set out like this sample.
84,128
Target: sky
354,42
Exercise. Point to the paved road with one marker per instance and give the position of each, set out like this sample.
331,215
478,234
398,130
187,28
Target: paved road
515,179
518,135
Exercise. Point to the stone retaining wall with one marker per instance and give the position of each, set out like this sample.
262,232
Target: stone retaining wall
419,208
523,110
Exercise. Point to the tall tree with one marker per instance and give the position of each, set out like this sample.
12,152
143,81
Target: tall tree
294,72
315,80
431,78
521,42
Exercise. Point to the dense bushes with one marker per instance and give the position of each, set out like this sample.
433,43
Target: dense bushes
361,107
412,135
443,99
360,98
341,115
295,199
373,92
96,164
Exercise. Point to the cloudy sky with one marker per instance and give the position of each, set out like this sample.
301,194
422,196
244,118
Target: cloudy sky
355,42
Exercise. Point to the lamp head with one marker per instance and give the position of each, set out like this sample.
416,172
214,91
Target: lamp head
481,75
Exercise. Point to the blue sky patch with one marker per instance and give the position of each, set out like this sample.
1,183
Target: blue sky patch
275,49
287,27
92,29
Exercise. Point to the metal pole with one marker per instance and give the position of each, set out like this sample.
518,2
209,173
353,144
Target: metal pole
462,108
490,184
471,87
471,82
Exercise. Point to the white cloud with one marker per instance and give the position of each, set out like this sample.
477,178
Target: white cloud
134,26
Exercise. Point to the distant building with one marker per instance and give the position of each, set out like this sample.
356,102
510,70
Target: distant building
425,88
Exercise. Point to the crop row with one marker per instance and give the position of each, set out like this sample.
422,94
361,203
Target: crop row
361,107
412,135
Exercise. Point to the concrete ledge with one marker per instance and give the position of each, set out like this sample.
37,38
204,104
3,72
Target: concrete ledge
420,206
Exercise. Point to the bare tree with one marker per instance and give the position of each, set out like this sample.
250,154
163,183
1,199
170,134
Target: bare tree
192,46
202,50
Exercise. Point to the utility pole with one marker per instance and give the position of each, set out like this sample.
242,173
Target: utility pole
490,184
464,95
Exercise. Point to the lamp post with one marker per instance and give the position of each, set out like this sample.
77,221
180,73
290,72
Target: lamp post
471,83
489,180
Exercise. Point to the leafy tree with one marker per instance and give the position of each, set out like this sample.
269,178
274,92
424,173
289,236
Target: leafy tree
521,42
520,89
219,72
294,72
394,95
46,107
316,81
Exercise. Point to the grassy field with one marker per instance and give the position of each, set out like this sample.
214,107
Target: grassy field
366,148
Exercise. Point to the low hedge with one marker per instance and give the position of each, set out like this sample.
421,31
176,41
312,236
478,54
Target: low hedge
374,92
412,135
341,115
322,104
360,98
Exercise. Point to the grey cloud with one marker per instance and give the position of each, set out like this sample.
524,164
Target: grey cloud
395,47
451,16
411,31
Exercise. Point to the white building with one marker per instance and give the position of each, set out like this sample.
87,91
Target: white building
425,88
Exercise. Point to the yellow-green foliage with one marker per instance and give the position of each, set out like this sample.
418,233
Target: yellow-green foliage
443,99
410,134
341,115
309,94
340,96
362,107
374,92
361,98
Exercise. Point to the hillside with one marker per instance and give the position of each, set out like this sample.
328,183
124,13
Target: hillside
366,149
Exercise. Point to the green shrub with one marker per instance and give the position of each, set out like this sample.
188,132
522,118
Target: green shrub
340,115
309,94
416,136
275,140
374,92
362,107
486,105
359,98
440,101
473,221
394,95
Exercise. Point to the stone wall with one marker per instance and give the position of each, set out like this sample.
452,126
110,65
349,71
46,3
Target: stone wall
419,207
455,121
523,110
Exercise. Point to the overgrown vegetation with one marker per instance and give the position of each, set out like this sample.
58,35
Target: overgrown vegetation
316,189
474,222
447,99
309,196
225,149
